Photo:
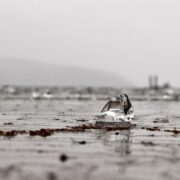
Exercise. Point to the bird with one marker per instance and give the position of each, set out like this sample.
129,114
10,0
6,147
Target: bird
119,109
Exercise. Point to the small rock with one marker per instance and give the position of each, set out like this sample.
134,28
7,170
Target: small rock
82,142
63,158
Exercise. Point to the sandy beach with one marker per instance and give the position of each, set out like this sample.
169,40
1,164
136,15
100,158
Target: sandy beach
148,151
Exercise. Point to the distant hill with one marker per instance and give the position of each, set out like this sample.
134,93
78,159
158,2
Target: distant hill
24,72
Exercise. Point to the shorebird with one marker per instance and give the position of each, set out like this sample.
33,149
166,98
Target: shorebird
120,109
123,103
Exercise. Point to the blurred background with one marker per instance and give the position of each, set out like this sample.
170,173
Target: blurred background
94,42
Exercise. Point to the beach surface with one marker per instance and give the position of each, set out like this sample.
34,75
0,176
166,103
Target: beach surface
38,141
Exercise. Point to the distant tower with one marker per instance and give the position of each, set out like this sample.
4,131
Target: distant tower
153,82
150,82
156,86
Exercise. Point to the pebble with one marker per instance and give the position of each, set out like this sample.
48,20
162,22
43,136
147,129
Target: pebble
63,158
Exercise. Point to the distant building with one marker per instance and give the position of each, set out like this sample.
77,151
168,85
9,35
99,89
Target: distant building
153,82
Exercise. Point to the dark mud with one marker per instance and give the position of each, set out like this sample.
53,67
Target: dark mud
49,132
175,131
12,133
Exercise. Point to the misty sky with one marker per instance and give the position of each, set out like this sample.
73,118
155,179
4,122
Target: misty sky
131,38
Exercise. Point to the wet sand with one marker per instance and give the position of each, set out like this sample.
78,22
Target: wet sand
148,151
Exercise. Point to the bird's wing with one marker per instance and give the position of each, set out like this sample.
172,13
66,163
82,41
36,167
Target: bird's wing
106,107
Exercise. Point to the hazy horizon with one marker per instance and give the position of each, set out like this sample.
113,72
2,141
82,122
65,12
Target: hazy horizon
33,73
131,39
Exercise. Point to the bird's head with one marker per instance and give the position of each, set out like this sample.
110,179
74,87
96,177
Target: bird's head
125,102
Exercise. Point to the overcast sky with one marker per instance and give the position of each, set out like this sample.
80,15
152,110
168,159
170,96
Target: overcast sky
132,38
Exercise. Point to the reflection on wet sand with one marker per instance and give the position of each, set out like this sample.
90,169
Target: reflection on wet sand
118,142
